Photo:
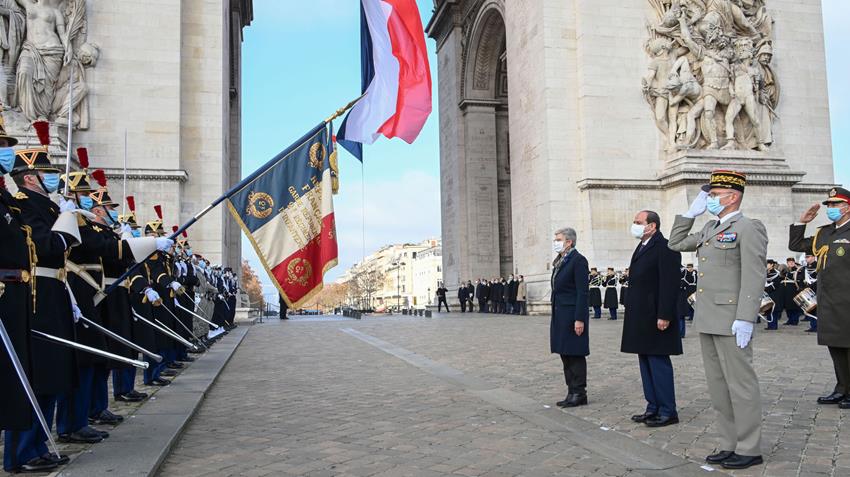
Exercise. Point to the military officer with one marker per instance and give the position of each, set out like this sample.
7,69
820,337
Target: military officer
611,301
831,244
732,252
789,291
594,297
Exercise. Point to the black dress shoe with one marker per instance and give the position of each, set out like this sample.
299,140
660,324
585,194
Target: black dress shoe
106,417
160,382
128,398
96,432
812,330
168,372
136,394
643,417
719,457
833,398
845,404
187,359
574,400
174,365
80,437
61,460
39,464
742,461
661,421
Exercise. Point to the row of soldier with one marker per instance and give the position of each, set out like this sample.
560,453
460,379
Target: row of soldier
500,295
71,323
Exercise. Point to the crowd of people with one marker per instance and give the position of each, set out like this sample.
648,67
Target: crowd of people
500,295
84,291
728,295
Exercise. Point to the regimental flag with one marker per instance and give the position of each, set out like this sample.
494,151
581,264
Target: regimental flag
286,210
395,76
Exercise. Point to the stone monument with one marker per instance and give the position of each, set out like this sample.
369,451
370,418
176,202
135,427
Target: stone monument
616,106
163,74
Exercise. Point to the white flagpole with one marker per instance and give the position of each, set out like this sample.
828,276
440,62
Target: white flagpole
124,202
70,126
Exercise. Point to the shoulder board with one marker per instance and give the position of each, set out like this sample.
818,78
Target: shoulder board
96,228
21,196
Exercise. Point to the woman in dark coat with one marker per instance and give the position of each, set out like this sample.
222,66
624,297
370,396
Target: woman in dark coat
568,334
650,327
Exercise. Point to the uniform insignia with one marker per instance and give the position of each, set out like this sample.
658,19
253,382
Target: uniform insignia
21,196
841,241
299,271
840,252
8,218
727,237
260,205
833,192
96,228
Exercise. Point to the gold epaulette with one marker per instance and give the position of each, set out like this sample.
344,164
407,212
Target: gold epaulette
21,196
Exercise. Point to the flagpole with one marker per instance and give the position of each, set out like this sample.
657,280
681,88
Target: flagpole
235,189
124,202
70,127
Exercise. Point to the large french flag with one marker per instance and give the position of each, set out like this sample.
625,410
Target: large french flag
396,77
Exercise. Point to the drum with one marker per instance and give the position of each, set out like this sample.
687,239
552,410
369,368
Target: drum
807,300
767,303
692,299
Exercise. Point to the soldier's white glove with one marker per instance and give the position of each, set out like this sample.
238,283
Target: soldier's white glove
77,312
126,229
163,244
66,205
151,295
175,286
698,206
743,331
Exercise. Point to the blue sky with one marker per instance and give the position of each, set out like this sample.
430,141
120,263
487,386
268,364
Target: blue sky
300,64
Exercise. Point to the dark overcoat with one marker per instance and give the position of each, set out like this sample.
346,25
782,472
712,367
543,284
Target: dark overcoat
654,285
569,304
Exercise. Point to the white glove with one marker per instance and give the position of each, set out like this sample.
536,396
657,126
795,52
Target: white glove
743,331
197,299
698,206
163,244
66,205
126,229
175,286
77,312
152,295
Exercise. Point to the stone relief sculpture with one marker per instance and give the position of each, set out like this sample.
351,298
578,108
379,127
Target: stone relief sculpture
709,82
43,43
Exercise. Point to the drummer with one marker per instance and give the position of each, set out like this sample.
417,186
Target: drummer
773,288
830,245
808,278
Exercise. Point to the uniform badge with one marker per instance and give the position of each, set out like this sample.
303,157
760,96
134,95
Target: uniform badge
727,237
840,252
8,218
841,241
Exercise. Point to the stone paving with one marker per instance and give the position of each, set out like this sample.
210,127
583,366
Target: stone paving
310,398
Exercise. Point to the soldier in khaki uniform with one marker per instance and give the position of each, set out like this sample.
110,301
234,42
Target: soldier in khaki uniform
732,253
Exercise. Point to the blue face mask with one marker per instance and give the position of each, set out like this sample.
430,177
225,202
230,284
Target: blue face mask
834,214
51,182
713,205
203,265
86,202
113,215
7,159
136,233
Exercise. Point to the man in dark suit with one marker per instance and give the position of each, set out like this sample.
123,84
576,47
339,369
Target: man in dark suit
481,292
650,312
568,335
441,298
462,296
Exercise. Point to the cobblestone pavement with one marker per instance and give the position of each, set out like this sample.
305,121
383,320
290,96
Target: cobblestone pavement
326,398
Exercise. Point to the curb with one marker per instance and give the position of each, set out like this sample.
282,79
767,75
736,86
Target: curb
139,445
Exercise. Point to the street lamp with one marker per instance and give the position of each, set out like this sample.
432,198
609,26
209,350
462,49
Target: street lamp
398,266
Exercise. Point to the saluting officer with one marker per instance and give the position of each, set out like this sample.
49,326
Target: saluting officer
831,244
732,251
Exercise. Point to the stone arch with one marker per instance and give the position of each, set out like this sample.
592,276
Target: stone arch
484,54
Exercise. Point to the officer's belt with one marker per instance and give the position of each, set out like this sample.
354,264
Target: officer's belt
81,271
54,273
788,281
14,276
109,281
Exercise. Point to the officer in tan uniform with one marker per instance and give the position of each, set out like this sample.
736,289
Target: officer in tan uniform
732,253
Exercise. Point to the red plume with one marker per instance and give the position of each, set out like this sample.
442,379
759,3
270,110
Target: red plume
42,128
100,177
174,229
131,203
83,156
158,210
185,235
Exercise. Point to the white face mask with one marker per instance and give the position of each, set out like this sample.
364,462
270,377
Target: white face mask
557,246
638,230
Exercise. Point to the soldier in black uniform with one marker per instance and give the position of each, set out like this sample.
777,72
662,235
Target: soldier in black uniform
481,293
789,291
189,280
54,231
624,286
808,278
594,297
611,302
441,298
773,288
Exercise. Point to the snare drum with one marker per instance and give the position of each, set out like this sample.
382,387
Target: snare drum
767,303
807,300
692,299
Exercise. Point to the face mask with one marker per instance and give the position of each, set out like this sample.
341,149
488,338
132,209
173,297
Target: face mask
202,265
113,215
834,214
713,205
557,246
7,159
638,230
86,203
136,233
51,182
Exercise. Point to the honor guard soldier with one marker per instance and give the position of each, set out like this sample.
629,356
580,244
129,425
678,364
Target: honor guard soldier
732,252
831,244
789,291
594,297
624,286
809,279
189,280
773,288
611,302
54,231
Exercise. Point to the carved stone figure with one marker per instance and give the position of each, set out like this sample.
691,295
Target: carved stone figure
720,84
43,44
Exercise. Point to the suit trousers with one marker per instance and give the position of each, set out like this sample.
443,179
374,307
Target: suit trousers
462,305
734,390
656,373
20,447
575,373
841,364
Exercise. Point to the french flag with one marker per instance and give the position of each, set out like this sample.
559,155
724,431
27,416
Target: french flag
396,77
